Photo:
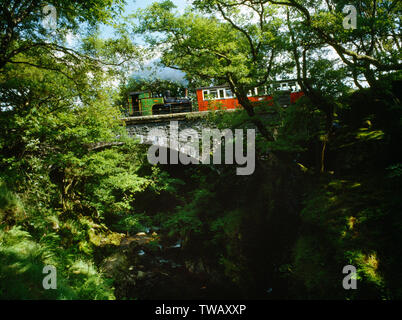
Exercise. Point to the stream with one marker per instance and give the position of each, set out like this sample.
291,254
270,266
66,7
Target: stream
149,267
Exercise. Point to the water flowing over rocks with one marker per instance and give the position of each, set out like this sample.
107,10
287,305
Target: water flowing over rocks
147,266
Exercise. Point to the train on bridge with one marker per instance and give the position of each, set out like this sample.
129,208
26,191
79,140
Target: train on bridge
144,103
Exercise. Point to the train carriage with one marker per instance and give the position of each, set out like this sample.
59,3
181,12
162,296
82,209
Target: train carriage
215,97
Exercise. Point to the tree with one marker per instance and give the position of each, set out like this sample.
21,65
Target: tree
22,30
26,41
374,47
229,50
57,187
313,26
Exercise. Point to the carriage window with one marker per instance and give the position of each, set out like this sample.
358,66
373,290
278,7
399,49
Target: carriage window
221,94
249,94
205,94
213,94
229,93
292,86
262,91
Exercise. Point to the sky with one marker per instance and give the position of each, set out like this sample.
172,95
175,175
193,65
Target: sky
130,8
134,5
162,73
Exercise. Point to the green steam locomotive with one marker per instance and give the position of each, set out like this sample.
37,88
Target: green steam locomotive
142,103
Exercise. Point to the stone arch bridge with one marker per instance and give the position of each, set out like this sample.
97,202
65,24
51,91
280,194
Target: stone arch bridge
161,130
141,127
187,132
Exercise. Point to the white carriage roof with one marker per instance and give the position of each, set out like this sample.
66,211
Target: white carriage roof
223,86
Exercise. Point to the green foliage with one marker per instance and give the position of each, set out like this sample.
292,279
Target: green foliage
210,50
311,267
326,190
155,85
338,216
395,171
11,208
23,260
187,219
301,126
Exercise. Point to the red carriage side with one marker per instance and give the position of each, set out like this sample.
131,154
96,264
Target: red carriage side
222,97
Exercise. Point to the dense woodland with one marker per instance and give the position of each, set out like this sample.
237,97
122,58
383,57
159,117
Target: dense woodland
326,191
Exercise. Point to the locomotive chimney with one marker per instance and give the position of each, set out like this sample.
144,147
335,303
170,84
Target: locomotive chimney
186,93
